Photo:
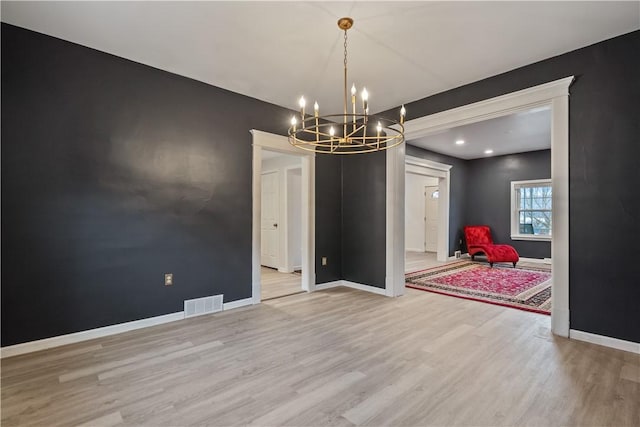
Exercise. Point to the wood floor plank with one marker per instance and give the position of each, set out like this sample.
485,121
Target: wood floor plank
111,419
97,368
275,284
338,357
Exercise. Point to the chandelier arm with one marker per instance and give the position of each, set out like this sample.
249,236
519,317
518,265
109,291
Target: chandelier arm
354,131
347,149
356,142
318,133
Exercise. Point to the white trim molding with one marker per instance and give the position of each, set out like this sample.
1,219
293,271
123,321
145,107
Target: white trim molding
237,304
536,260
605,341
554,95
288,266
499,106
105,331
328,285
366,288
279,143
76,337
394,279
352,285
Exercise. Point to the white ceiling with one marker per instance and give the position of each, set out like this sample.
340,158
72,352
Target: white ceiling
515,133
276,51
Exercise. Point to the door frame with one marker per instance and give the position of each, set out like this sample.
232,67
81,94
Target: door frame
425,202
287,265
554,95
280,143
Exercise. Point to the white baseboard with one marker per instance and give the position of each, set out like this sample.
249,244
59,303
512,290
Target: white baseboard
31,346
76,337
361,287
237,304
616,343
329,285
414,250
353,285
537,260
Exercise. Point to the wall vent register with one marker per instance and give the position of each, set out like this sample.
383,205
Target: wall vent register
200,306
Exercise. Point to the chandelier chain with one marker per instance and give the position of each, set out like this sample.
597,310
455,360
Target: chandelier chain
345,48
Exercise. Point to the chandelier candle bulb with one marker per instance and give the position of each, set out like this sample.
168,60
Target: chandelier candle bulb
353,104
403,112
293,123
316,107
303,102
365,102
331,132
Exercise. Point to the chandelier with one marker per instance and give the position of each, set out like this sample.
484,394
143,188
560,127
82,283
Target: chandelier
353,131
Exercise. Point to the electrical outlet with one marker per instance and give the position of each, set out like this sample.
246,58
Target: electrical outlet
168,279
324,260
458,254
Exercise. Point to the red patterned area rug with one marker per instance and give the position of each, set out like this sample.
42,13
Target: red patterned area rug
507,286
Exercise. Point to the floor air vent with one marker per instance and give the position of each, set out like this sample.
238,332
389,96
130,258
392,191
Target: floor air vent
200,306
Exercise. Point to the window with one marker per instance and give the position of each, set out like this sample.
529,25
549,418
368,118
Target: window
531,210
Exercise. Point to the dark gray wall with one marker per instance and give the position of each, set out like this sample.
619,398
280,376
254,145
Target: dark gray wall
114,173
328,218
457,192
489,195
364,218
604,147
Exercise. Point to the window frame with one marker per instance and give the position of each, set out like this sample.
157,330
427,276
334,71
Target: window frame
515,223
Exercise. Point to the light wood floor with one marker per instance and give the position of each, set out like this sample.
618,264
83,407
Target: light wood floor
275,284
335,357
415,261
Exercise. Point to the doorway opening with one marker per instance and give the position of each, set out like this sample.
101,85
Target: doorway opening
281,225
426,213
291,252
554,95
507,187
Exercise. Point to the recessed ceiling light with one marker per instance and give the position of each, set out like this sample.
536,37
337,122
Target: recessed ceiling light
460,142
488,151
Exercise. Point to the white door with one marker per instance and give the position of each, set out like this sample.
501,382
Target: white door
269,223
431,218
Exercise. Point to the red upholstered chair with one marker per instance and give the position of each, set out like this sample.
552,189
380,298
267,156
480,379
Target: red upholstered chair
479,240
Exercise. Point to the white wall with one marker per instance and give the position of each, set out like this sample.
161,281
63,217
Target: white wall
289,221
414,210
294,218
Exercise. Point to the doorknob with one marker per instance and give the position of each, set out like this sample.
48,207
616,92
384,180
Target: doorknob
275,225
